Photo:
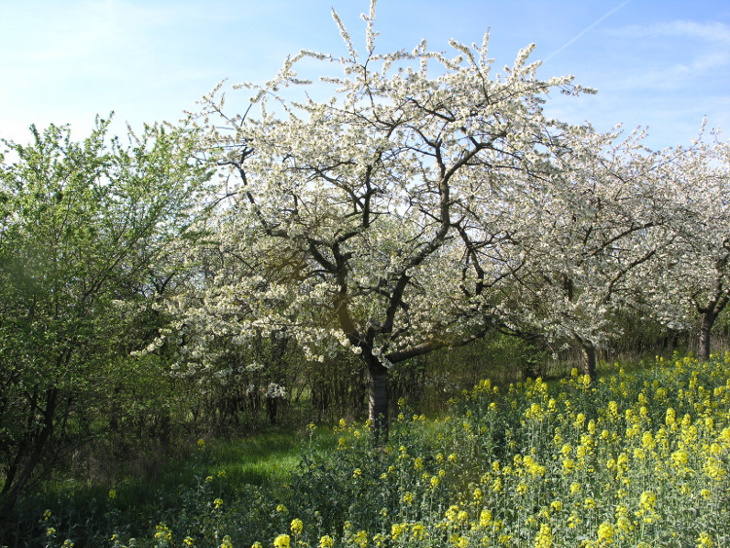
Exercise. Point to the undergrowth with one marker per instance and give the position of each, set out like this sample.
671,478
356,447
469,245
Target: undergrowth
639,458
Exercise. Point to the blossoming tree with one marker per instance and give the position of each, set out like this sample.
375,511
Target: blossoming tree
381,218
587,239
694,278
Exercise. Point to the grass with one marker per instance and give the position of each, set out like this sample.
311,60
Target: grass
87,511
263,458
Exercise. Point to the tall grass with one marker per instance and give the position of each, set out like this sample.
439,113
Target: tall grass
640,458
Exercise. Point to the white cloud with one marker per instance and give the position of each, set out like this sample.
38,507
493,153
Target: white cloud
713,32
703,46
669,56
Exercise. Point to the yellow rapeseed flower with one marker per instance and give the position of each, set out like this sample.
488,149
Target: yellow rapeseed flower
613,410
532,467
544,538
452,513
680,457
485,518
360,539
704,540
714,469
297,526
606,532
163,532
624,524
647,441
647,504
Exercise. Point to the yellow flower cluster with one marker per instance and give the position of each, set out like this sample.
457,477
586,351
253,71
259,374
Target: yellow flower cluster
640,459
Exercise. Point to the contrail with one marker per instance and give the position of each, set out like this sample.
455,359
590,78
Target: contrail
585,30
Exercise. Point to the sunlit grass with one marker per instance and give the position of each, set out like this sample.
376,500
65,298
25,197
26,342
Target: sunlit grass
267,458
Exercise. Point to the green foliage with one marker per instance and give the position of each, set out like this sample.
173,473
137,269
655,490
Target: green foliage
87,233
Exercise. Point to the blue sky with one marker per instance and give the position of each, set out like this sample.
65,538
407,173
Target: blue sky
662,64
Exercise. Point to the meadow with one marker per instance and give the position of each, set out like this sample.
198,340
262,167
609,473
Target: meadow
640,458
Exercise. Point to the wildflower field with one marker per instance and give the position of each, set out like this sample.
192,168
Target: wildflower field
636,459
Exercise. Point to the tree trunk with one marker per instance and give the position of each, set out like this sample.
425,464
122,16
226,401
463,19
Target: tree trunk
378,400
589,361
708,320
710,313
11,492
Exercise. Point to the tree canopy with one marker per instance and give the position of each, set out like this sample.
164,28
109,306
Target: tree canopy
388,217
85,232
